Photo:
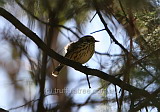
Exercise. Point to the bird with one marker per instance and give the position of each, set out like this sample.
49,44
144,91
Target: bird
80,51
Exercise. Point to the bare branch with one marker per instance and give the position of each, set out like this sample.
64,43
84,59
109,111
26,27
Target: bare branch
97,31
93,17
89,85
115,40
107,54
146,101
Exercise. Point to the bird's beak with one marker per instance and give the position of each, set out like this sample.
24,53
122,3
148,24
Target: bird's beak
96,41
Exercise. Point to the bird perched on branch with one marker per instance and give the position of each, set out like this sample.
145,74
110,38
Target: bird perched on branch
80,51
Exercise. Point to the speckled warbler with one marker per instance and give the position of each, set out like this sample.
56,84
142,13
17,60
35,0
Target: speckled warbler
80,51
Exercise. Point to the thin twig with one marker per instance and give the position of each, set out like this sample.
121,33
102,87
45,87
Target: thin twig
107,54
146,101
157,50
123,10
117,97
28,103
93,17
88,81
97,31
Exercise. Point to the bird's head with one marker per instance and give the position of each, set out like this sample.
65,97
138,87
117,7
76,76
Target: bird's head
88,38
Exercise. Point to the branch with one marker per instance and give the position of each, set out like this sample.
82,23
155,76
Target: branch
68,62
28,103
146,101
97,31
148,55
114,39
123,11
89,85
107,54
108,31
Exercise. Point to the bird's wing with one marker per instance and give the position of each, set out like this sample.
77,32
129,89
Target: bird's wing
71,47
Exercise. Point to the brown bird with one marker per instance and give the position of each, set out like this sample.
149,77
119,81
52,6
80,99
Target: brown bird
80,51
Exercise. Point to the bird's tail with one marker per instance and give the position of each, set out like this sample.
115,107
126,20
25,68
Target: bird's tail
57,70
